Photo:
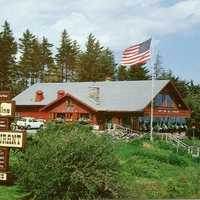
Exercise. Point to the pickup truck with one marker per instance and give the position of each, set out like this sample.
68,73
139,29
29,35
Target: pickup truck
29,123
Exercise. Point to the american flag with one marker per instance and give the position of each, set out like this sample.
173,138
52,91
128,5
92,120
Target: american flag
137,54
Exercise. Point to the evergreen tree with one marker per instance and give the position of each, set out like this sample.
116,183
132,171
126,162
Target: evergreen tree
75,60
25,62
48,70
96,63
181,85
8,50
36,67
138,72
66,57
107,64
122,73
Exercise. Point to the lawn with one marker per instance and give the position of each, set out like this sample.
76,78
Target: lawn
11,193
157,171
148,170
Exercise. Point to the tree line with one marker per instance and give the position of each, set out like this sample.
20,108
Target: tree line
37,63
31,60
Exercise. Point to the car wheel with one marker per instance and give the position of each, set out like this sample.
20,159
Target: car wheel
41,126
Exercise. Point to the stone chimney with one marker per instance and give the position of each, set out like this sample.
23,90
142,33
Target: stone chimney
94,93
60,94
39,96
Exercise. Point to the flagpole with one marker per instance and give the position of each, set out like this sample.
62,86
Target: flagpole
152,100
140,54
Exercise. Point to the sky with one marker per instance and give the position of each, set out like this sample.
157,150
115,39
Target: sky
174,26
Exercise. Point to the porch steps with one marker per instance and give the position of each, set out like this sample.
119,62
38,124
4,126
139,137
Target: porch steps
121,132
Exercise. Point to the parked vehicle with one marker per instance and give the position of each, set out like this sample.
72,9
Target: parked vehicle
29,123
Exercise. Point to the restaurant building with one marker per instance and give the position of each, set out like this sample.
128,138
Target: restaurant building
127,103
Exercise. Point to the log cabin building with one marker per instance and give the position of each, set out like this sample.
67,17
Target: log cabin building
102,104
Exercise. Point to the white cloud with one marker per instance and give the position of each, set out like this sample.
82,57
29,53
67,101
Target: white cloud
116,23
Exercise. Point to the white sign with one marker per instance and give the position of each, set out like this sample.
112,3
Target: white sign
12,139
5,109
3,176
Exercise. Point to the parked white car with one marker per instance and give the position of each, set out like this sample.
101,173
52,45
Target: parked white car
29,123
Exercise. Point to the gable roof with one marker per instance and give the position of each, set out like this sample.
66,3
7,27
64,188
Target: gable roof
61,99
114,95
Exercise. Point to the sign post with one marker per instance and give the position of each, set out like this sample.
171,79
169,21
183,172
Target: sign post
8,138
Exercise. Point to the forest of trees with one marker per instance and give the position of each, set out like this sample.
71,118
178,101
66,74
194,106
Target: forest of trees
37,63
30,60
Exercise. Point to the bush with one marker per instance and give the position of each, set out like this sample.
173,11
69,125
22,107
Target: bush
68,162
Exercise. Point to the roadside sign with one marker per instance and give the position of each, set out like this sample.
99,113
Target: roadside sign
4,124
5,177
12,139
7,109
8,139
5,95
4,159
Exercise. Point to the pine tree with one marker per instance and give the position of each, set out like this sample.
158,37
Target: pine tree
66,57
25,62
36,67
122,73
8,50
96,63
107,64
138,72
48,69
181,85
75,60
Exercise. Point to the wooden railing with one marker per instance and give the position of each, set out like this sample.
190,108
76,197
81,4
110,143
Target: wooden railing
192,150
119,131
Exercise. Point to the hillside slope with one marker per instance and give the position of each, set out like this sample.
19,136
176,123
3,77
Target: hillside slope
157,171
148,170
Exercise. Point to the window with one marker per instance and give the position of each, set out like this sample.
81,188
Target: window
162,100
68,116
84,117
159,100
169,101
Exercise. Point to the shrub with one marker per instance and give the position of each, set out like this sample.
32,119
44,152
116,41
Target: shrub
175,159
68,162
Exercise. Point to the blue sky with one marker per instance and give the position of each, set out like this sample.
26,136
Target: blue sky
173,24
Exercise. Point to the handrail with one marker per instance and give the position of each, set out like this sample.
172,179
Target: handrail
123,132
190,149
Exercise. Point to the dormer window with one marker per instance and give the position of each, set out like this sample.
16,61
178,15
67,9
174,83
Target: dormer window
60,94
39,96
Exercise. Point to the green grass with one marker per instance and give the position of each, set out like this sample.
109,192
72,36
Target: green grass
148,170
11,193
192,142
155,170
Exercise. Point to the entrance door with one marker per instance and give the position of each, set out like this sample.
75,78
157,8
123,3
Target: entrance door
126,121
109,124
60,117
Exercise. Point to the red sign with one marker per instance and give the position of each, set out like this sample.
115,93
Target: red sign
5,95
3,159
4,124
